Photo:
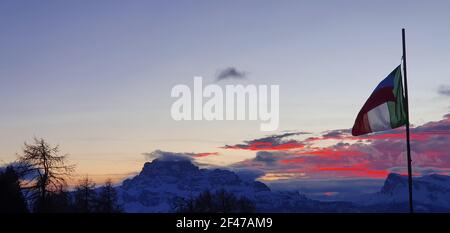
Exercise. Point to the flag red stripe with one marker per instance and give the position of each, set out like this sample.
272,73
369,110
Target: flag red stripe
378,97
362,125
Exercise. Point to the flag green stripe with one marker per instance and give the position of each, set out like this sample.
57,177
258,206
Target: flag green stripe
396,109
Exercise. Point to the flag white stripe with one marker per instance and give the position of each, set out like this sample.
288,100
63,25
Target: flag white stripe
379,118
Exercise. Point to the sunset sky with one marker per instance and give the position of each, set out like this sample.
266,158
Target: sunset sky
95,77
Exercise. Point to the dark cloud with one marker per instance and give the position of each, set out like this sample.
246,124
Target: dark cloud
168,156
338,133
278,137
171,156
272,142
435,127
444,90
230,73
248,174
265,157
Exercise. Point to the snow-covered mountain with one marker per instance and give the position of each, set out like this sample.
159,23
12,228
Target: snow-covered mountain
161,181
431,193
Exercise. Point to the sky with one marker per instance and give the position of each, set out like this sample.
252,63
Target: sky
95,77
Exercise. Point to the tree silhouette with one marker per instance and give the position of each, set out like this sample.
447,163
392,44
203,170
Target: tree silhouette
46,169
85,196
245,205
227,202
221,201
107,199
11,197
56,202
205,203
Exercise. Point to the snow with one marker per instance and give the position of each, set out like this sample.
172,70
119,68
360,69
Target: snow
162,181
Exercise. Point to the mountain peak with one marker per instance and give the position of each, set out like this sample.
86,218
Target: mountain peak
168,167
161,181
394,181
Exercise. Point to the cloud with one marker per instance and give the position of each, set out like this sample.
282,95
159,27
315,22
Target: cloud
167,156
357,170
372,156
318,190
369,156
248,174
172,156
265,157
230,73
205,154
337,134
420,133
269,143
444,90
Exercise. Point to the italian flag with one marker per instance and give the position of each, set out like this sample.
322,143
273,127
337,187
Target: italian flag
385,107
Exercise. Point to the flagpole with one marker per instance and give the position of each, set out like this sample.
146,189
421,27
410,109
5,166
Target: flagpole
408,147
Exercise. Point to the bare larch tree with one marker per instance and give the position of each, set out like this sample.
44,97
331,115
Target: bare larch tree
45,171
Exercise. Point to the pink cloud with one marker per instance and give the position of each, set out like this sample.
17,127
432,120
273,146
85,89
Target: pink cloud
205,154
270,143
374,157
267,146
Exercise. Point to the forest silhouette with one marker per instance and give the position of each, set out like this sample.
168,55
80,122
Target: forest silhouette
37,183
